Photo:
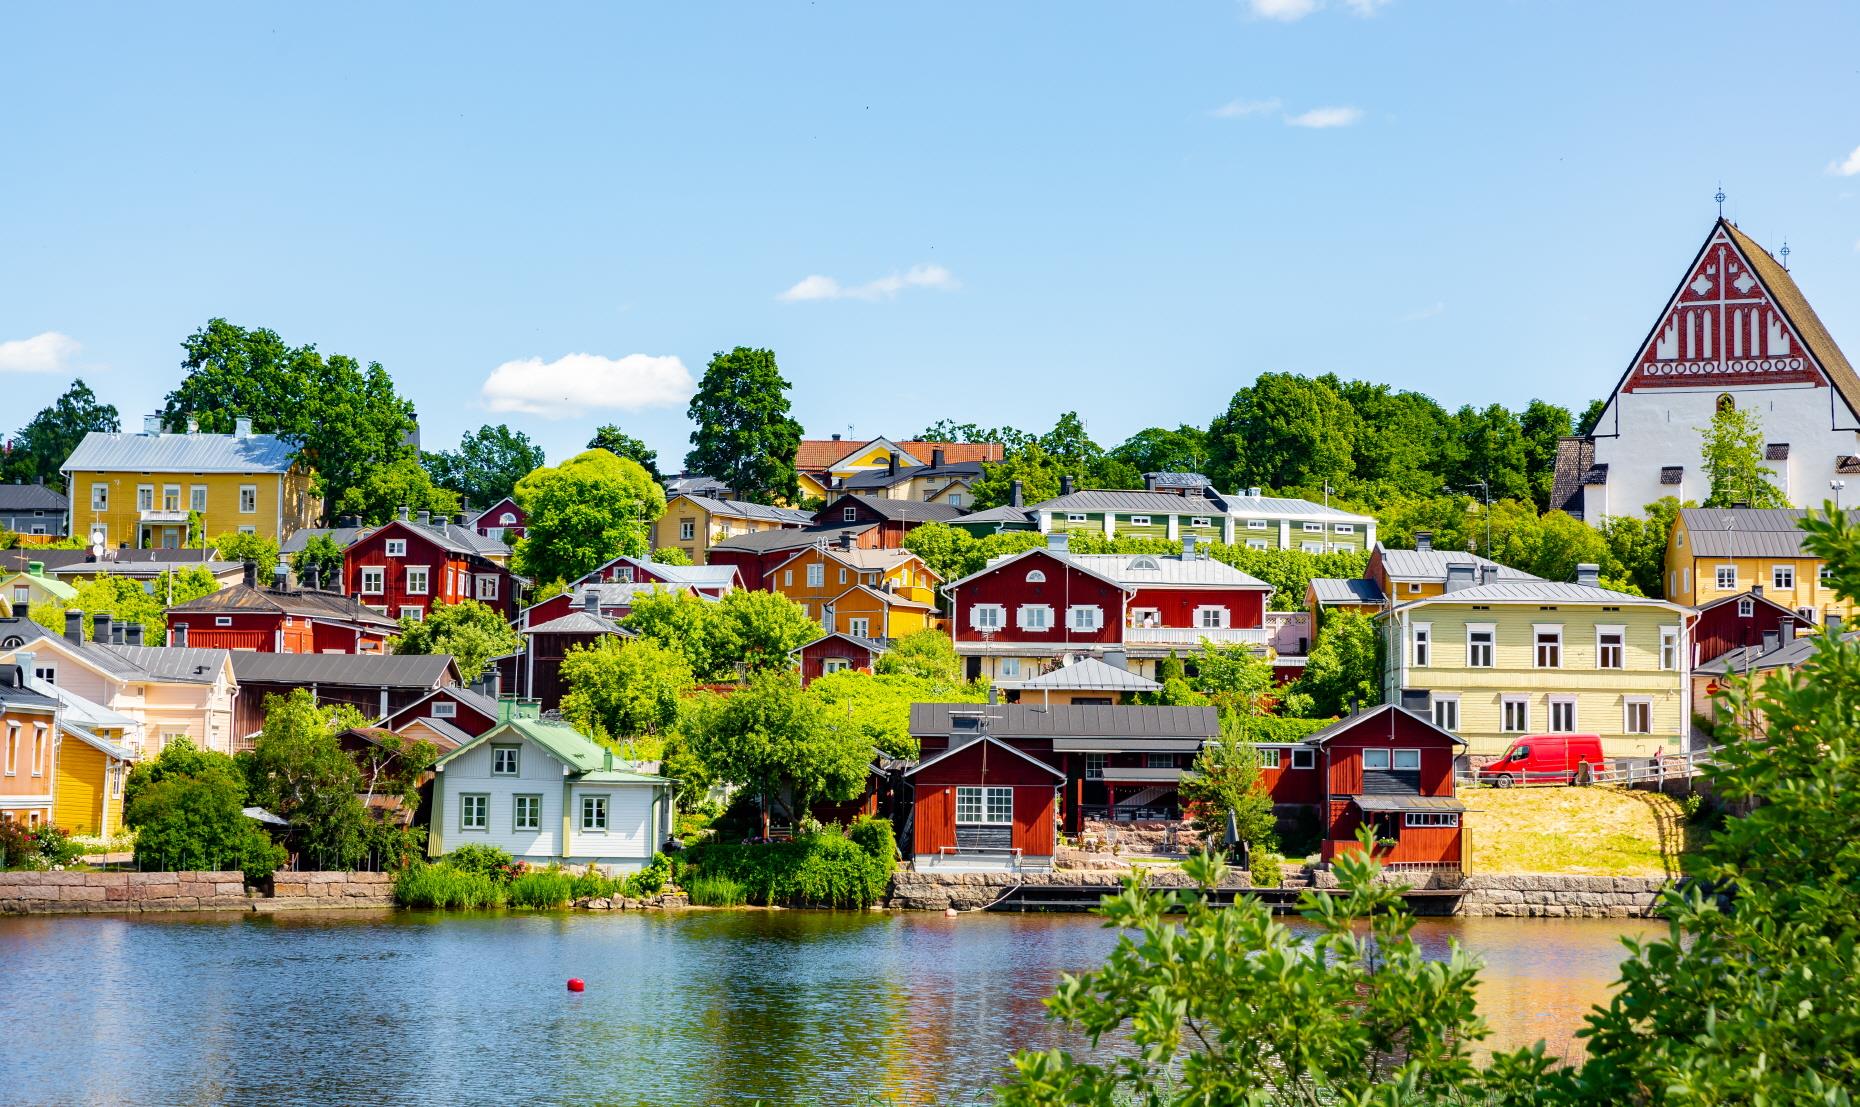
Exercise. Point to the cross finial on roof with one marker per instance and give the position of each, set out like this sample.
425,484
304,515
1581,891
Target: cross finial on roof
1719,196
1785,254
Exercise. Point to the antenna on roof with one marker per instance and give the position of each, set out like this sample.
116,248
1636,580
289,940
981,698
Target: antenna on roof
1785,255
1719,196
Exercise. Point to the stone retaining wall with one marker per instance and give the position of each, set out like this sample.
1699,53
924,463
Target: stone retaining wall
118,893
1537,895
938,891
320,891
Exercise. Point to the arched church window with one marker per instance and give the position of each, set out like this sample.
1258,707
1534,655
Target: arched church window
1726,403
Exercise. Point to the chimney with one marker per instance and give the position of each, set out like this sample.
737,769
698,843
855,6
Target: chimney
1459,575
1188,547
402,515
1058,541
1771,641
1149,480
1117,659
891,464
1015,493
836,438
1423,540
591,602
1757,591
280,577
1833,622
242,428
193,425
937,457
1253,492
22,609
151,424
100,627
846,540
28,666
1589,575
426,518
35,568
132,634
251,574
313,578
1065,486
1488,574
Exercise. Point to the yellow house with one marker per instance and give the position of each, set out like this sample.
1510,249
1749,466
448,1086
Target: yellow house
1495,662
166,692
864,593
91,771
824,466
1717,552
695,523
1401,576
30,585
140,490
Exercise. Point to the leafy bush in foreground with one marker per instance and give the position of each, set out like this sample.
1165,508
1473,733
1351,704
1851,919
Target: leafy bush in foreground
824,869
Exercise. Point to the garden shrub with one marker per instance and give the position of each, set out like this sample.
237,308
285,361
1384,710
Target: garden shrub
187,808
651,880
1267,869
445,887
875,836
42,847
819,870
594,884
487,861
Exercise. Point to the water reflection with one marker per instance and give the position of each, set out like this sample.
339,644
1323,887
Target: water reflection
723,1007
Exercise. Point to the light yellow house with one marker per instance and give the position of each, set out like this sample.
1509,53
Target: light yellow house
824,466
1494,662
30,585
694,523
1717,552
864,593
168,692
140,490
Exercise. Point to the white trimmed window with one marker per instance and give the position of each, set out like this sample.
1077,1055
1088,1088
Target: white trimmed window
1314,528
197,497
1256,543
1304,758
396,547
1562,714
1431,818
374,578
248,499
445,709
1549,645
835,665
1094,766
850,514
1345,528
1422,638
1256,524
474,811
1514,714
1139,520
417,580
100,497
988,616
413,611
1268,757
222,620
687,529
504,760
1077,517
1446,715
985,806
145,497
487,586
1727,577
816,575
1782,577
526,813
1211,618
1034,616
1375,760
1035,576
1008,668
859,628
1200,521
1311,547
1610,648
1825,575
594,814
787,578
1637,715
1406,761
1669,648
1085,617
1481,643
1746,607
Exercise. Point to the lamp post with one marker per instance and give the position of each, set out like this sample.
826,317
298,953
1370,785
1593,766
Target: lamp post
1836,485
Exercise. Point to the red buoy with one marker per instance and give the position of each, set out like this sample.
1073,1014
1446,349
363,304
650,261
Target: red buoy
576,984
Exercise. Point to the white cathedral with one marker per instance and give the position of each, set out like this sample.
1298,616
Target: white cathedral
1738,332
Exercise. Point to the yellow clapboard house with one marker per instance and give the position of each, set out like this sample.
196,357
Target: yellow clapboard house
1713,553
876,594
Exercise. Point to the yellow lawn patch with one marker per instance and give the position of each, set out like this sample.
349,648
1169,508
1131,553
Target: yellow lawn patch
1595,830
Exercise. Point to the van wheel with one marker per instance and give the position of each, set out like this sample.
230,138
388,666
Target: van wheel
1504,780
1585,774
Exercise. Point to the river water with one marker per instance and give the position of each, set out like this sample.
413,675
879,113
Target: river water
726,1007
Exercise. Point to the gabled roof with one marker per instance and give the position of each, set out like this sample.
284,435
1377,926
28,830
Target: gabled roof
1006,514
1343,590
956,748
1024,720
1169,571
968,471
1135,500
52,585
897,511
449,737
821,454
1745,659
873,646
1746,531
118,451
360,670
344,537
702,576
581,622
1090,674
1292,509
583,756
1536,591
861,560
775,541
1064,558
97,741
30,497
889,599
1368,716
22,697
743,509
327,606
177,664
1431,565
1748,595
472,698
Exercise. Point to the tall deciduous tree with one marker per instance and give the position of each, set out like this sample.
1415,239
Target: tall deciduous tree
322,554
583,513
487,465
1343,668
344,419
297,771
43,444
473,633
744,435
773,739
1490,450
1733,450
1226,780
1543,424
1284,431
385,489
1160,450
620,691
615,441
1403,447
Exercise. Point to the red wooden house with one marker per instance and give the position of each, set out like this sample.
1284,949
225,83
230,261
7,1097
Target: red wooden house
449,712
375,684
1735,622
1012,617
983,801
707,580
1391,769
612,601
893,518
753,555
833,653
274,620
503,521
404,567
536,673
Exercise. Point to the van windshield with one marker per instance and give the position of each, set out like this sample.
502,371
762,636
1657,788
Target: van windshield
1520,753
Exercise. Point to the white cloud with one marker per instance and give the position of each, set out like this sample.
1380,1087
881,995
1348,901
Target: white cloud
817,287
1365,8
1236,109
575,383
1848,168
1325,117
49,352
1285,11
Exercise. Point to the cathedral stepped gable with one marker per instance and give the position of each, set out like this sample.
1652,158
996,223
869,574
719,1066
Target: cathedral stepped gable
1738,318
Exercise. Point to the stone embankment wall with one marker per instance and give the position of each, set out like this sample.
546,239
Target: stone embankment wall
1551,896
108,893
935,891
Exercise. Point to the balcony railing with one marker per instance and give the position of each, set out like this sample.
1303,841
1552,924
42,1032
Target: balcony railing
1192,636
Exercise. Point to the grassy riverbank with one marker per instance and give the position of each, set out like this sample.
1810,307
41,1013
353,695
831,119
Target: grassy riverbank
1590,831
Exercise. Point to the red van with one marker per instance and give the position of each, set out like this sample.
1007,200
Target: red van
1546,758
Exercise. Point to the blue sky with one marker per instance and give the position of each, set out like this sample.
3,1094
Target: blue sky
992,212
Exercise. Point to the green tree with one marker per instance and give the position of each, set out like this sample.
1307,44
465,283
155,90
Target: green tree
1037,471
1554,545
258,549
926,655
127,601
755,631
671,555
1491,450
1543,424
1073,450
942,547
187,809
1226,780
744,435
1233,678
1591,415
385,489
621,444
583,513
43,444
487,465
1284,431
472,632
321,553
771,738
622,691
1344,667
344,420
681,622
298,772
1733,450
1638,545
1160,450
948,430
1404,447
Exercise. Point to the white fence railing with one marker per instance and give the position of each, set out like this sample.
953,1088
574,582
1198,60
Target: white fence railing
1622,772
1192,636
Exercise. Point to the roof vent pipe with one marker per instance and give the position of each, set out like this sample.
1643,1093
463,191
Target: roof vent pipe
1589,575
74,625
242,428
132,634
1423,540
403,513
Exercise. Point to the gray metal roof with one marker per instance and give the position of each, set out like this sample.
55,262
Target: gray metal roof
885,478
1136,500
1021,720
743,509
1168,569
363,670
1346,590
108,452
770,541
20,696
30,497
580,622
873,646
910,511
1535,591
1277,505
344,537
182,664
1746,659
1431,565
1397,801
1745,531
1368,716
1003,514
1091,674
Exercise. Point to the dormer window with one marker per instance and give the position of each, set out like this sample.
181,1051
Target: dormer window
1146,563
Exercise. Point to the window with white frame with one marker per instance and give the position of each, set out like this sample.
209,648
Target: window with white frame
417,580
222,620
1481,642
412,611
1727,577
985,806
171,497
842,574
1782,577
1375,761
1256,524
1211,618
816,575
445,709
1200,521
1422,639
859,628
474,811
12,749
787,578
1610,648
504,760
1431,818
526,813
1637,715
1035,576
1139,520
955,499
594,814
1669,648
835,665
1345,528
1514,714
1406,761
1447,712
1304,757
1825,575
850,514
374,578
197,497
100,497
1094,766
145,497
1008,668
1746,607
1256,543
1311,547
1085,617
1314,528
487,586
1549,645
396,547
1268,757
248,499
1034,616
1562,714
687,529
988,616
